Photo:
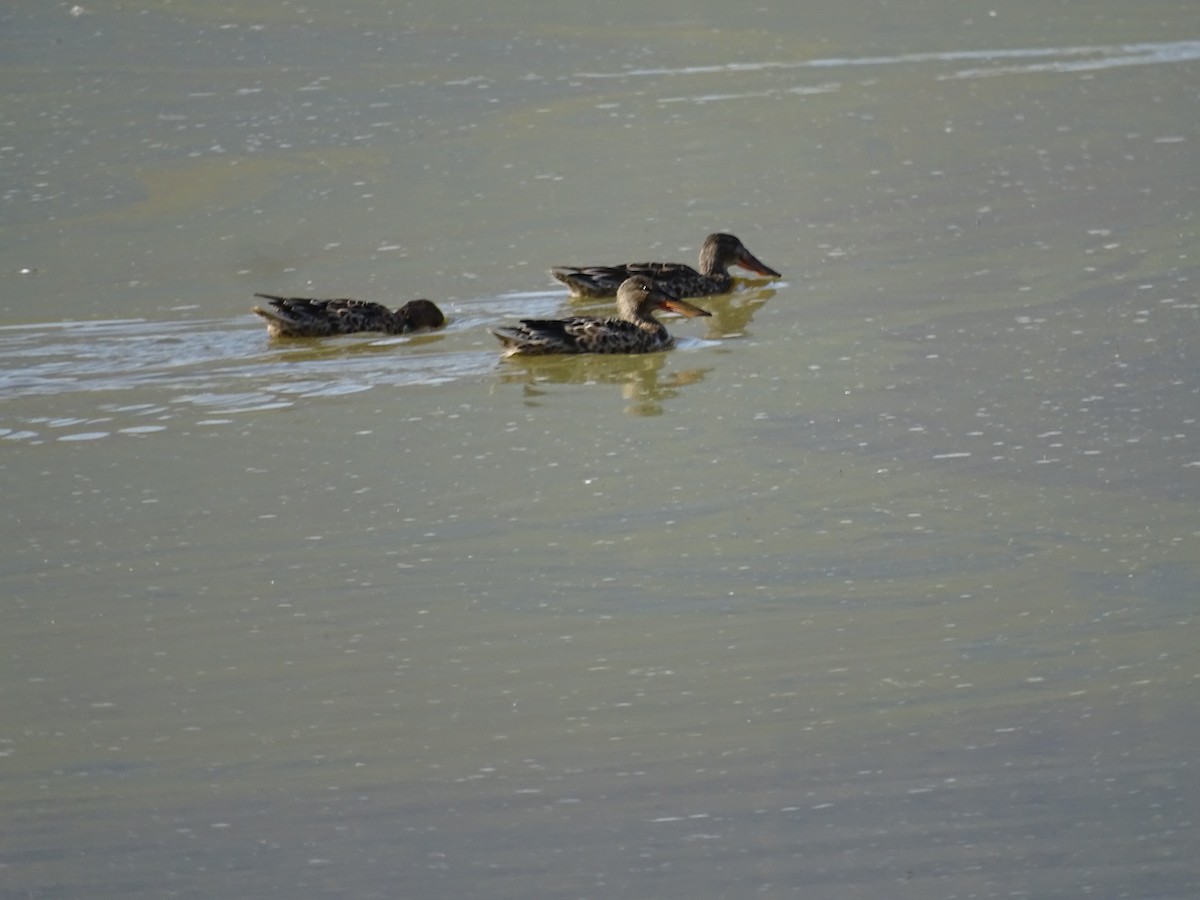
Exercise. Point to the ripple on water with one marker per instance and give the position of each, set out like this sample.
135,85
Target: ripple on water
218,368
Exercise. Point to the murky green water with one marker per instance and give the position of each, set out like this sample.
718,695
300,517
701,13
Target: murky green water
883,584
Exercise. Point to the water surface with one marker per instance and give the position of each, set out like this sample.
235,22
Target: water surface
883,583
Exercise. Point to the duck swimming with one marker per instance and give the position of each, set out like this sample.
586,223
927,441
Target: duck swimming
720,251
302,317
633,330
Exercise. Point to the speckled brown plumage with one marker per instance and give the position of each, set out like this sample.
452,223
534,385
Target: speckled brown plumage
633,330
303,317
720,251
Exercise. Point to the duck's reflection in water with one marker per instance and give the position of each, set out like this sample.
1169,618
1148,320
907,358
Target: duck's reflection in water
641,378
732,313
300,350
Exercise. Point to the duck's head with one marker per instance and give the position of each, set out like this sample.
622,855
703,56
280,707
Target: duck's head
725,250
421,314
639,296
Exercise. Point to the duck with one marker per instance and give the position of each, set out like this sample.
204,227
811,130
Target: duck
720,251
304,317
633,330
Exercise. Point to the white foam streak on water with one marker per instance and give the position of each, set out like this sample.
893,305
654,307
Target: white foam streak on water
804,91
1111,58
1101,57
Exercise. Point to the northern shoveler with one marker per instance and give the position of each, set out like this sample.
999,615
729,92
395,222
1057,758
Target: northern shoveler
302,317
720,251
633,330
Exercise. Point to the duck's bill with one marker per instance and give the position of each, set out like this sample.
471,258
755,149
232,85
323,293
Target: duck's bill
748,260
674,304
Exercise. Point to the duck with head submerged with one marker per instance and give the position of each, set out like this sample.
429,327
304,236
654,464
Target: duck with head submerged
720,251
302,317
633,330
